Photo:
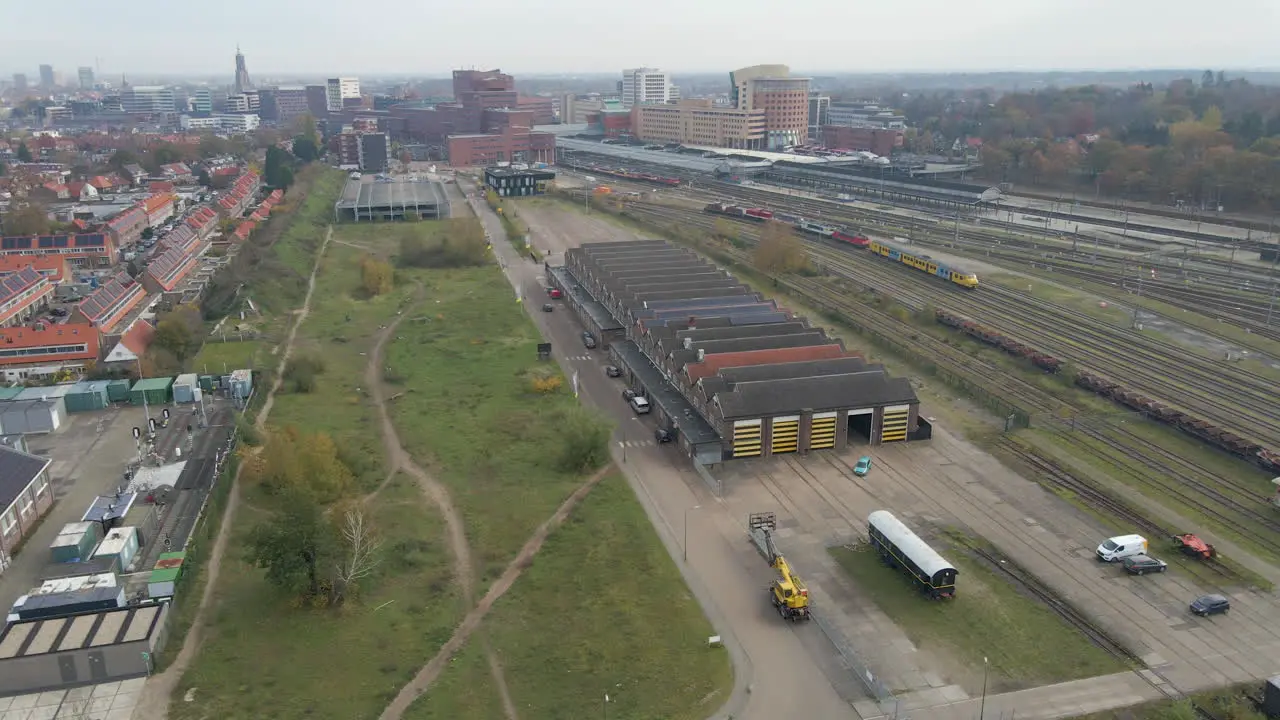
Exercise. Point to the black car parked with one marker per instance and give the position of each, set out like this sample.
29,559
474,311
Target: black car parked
1207,605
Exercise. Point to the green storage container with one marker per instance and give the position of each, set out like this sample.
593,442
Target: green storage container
152,391
118,391
206,383
87,396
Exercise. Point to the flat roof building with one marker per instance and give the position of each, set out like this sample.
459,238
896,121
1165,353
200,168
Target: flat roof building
368,199
699,122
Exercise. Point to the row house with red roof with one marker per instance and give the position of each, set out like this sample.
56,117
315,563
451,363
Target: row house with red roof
81,250
43,350
53,267
244,230
240,195
204,221
159,208
178,173
166,273
126,228
110,303
23,294
81,190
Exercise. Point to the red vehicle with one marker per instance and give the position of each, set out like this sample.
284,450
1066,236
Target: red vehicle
554,293
851,238
1194,546
759,213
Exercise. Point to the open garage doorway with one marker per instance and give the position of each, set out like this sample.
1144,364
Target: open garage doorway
860,422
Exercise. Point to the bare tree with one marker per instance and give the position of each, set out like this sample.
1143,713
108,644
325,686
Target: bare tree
359,553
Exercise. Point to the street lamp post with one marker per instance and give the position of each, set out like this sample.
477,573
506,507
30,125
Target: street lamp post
686,531
982,713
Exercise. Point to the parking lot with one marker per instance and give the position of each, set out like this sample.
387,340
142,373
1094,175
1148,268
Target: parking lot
947,483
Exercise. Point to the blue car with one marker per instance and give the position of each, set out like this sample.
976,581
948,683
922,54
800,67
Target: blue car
862,467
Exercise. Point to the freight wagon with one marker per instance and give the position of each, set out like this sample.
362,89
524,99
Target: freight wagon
798,223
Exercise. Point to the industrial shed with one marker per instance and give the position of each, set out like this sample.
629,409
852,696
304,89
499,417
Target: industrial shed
96,647
759,380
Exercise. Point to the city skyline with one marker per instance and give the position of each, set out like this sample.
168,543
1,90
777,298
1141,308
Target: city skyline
983,35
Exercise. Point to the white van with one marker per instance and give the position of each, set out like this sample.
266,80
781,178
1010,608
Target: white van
1122,546
640,404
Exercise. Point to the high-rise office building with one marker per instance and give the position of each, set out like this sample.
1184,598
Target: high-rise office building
284,104
202,100
46,76
242,73
784,99
20,82
338,91
147,99
318,101
645,86
86,78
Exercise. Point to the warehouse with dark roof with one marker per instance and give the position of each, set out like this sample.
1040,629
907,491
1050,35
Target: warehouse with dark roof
731,372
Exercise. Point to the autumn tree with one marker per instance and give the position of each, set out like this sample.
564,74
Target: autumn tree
292,462
780,250
178,332
375,276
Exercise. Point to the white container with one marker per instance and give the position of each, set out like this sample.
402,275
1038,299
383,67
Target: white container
122,543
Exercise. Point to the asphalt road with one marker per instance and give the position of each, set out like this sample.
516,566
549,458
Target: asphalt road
781,670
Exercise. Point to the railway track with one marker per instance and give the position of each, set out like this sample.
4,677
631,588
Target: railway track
1229,395
1228,502
1252,311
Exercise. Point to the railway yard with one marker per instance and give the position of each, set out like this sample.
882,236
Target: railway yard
1107,349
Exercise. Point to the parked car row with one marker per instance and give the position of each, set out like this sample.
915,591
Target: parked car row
1131,551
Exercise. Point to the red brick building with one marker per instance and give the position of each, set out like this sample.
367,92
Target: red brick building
880,141
126,228
26,494
512,144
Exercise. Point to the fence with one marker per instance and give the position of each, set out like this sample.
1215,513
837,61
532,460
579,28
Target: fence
848,656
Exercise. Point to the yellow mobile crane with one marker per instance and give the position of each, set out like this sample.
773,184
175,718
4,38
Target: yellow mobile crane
788,592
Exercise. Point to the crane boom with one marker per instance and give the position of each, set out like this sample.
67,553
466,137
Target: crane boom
788,591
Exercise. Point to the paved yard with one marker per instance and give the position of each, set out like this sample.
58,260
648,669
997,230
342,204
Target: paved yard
946,482
107,701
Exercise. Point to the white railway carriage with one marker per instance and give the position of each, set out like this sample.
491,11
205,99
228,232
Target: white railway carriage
901,548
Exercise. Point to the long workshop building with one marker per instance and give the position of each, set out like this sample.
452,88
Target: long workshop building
759,380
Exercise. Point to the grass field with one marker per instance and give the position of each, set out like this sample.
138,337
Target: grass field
464,360
602,610
469,414
1224,704
1025,642
264,657
217,358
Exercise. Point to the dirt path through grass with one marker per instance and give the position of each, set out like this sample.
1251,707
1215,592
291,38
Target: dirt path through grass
471,622
399,459
153,703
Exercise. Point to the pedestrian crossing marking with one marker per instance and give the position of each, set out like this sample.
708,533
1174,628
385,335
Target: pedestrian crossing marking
636,443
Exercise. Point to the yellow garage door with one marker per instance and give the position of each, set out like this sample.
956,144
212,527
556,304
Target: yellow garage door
746,438
894,427
786,435
822,431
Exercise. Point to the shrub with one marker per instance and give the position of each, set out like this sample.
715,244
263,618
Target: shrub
300,374
585,441
546,385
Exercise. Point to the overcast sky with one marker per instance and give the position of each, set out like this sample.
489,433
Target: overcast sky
430,37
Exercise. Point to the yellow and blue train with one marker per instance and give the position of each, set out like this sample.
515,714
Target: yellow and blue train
953,273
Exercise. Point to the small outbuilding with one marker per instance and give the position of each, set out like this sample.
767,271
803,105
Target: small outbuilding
151,391
164,578
75,542
88,396
31,417
122,543
185,387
